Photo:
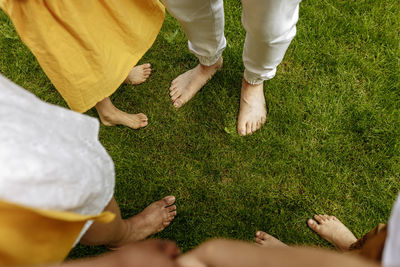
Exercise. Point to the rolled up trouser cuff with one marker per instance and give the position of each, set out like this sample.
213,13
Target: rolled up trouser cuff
209,60
254,79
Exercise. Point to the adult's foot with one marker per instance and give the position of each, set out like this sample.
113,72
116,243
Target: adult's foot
265,240
253,112
333,231
110,116
153,219
139,74
186,85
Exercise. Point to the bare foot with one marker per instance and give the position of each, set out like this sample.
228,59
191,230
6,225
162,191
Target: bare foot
252,113
139,74
153,219
333,231
186,85
265,240
110,116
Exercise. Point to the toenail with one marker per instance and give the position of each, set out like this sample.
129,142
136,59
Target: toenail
171,199
258,233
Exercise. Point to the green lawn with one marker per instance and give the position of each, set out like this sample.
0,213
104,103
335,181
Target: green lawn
331,143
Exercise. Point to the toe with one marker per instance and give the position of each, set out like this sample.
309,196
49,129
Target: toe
169,200
172,213
171,208
241,128
263,236
263,119
142,116
177,103
175,97
253,127
248,128
318,218
166,223
313,225
173,87
258,241
173,91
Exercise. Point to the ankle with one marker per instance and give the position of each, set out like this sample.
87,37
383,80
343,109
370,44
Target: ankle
123,235
247,85
216,66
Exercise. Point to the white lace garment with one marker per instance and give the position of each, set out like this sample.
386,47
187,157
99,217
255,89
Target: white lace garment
391,252
50,157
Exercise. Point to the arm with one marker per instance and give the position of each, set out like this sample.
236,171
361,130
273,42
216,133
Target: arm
225,253
150,253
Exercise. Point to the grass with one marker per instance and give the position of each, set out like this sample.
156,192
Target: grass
331,144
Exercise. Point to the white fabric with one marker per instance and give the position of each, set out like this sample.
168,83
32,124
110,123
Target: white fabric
391,252
270,27
50,157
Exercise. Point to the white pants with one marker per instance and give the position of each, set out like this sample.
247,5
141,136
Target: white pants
270,27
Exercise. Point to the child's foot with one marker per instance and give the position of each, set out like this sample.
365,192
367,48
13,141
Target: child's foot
138,74
151,220
265,240
110,116
333,231
252,113
186,85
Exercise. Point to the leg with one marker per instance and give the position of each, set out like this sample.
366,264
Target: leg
119,232
270,27
371,245
227,253
110,115
203,23
265,240
333,231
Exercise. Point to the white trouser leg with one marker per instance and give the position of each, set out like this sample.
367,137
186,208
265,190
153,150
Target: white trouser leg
203,23
270,27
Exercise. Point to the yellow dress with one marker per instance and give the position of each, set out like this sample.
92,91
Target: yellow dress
31,236
86,47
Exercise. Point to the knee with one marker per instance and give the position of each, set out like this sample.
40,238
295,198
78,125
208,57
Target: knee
272,32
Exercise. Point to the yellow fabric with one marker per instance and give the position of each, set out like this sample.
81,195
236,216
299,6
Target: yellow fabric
86,47
33,236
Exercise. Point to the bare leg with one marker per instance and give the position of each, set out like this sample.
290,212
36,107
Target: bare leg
119,232
139,74
333,231
226,253
252,113
110,115
186,85
265,240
